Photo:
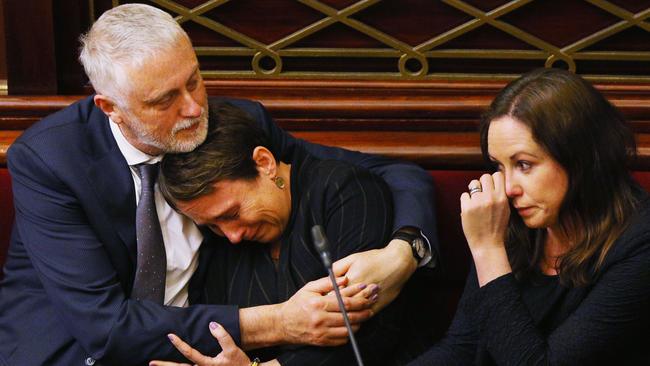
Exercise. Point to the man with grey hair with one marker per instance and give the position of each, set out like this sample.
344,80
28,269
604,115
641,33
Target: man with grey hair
100,268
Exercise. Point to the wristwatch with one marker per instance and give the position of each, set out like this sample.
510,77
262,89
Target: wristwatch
418,247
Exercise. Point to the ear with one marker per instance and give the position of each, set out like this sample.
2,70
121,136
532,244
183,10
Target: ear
108,106
265,162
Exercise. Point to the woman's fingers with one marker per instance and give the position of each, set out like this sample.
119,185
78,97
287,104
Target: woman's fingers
362,290
487,184
223,337
464,202
324,285
485,212
474,184
499,184
187,350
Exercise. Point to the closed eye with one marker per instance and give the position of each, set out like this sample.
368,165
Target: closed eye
215,229
192,84
230,216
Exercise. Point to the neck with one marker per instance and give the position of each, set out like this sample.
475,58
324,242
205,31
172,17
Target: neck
557,243
284,171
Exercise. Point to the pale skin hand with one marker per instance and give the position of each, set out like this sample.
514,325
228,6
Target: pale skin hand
389,267
321,322
485,219
311,316
230,354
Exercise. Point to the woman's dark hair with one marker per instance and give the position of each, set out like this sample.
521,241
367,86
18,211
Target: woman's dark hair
226,154
588,137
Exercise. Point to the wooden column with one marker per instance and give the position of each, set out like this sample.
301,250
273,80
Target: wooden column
3,52
31,59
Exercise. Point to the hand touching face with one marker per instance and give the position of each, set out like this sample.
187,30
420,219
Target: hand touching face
535,183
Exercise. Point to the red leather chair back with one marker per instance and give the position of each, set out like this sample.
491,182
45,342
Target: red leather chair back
643,178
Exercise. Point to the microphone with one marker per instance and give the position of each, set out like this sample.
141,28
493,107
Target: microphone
322,247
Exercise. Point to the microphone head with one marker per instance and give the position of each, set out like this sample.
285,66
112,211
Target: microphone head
320,240
321,243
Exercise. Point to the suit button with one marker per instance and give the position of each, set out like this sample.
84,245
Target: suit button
90,361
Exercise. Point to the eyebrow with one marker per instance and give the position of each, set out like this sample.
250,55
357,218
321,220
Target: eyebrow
513,156
170,93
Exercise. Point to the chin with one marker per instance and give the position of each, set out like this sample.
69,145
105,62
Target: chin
538,223
270,237
187,144
533,223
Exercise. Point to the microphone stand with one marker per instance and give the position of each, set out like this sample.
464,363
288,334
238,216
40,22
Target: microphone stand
322,246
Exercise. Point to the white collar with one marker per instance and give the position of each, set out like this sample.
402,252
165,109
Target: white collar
132,155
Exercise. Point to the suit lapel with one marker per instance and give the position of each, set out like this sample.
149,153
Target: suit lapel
111,179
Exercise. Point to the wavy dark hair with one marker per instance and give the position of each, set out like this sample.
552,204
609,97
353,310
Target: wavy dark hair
589,138
226,154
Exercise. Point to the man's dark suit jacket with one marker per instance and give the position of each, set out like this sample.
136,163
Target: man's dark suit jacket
71,261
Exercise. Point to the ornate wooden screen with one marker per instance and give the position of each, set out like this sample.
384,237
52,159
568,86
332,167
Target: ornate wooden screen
414,39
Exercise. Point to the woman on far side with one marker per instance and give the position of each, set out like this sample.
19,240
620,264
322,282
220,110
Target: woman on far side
559,235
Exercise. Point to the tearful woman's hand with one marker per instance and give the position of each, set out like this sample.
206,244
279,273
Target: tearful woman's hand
484,216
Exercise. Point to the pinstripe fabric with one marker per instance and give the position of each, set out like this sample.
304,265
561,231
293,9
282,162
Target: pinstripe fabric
355,208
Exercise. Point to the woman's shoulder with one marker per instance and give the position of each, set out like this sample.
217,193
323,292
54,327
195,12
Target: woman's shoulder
635,240
640,223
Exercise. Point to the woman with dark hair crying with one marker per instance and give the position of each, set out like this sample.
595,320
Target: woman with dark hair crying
559,235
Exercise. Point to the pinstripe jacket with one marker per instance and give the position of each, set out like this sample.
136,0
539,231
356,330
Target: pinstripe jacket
355,209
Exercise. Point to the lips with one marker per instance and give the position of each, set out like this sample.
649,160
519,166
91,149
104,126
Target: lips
191,127
525,211
187,125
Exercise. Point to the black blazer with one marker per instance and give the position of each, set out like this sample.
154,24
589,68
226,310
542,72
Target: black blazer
355,209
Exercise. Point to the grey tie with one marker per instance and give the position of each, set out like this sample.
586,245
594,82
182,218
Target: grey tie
149,283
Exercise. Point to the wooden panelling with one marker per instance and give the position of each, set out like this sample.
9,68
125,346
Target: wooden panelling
3,50
432,123
31,61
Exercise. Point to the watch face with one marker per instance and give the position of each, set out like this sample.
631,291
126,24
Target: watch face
418,245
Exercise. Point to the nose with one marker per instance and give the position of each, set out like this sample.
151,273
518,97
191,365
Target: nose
191,107
235,234
513,188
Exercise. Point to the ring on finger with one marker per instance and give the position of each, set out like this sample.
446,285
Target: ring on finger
474,190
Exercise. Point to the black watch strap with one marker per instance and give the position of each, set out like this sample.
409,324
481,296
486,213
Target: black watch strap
410,238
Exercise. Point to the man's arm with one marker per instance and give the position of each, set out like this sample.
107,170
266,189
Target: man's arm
412,192
79,277
410,186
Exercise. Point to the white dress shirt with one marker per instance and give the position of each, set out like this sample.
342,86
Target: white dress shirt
181,236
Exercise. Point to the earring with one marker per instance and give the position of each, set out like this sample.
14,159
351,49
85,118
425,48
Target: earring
279,182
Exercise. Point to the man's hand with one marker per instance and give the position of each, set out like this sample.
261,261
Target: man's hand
230,354
389,267
311,316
